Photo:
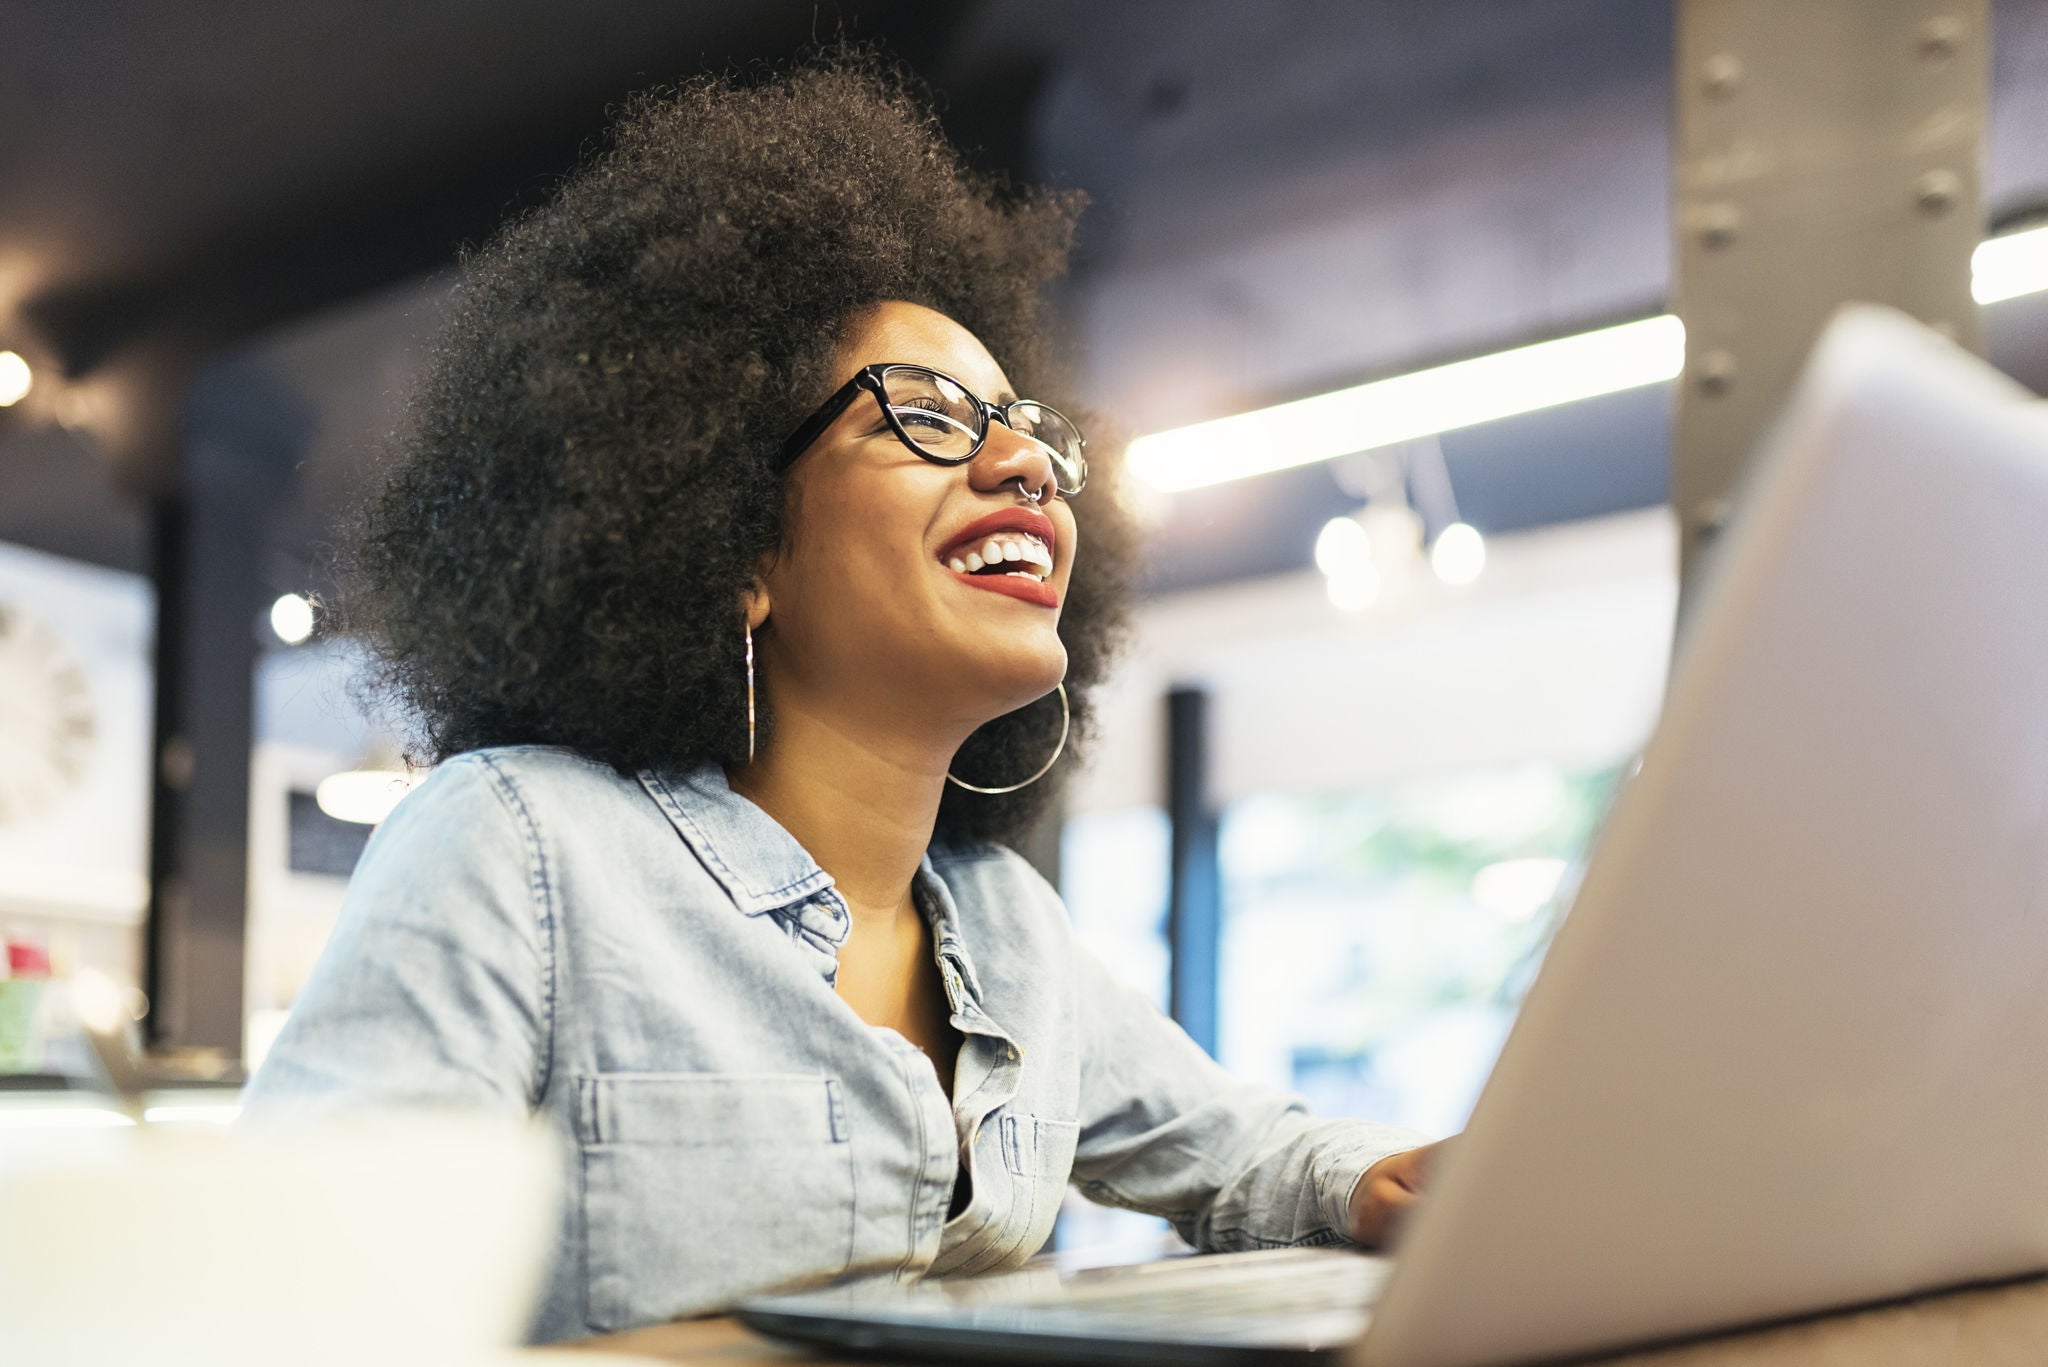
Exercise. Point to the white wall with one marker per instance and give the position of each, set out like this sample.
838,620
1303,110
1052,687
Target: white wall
75,874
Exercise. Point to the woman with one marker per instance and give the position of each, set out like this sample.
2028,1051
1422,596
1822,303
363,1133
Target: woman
745,606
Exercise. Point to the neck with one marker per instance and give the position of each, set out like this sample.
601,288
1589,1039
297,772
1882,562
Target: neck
863,805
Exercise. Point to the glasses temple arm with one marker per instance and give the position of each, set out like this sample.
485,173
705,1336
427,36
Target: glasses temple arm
815,425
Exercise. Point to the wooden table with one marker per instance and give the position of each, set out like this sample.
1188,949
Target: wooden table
2001,1326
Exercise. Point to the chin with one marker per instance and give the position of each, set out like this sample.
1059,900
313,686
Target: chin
1017,678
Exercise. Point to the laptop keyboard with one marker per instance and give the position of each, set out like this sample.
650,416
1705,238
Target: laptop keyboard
1231,1286
1296,1298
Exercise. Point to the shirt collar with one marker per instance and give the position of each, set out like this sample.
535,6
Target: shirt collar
942,913
766,872
759,864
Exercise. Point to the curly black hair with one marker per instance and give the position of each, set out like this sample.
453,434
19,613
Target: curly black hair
586,478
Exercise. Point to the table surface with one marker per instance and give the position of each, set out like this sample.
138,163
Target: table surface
1998,1326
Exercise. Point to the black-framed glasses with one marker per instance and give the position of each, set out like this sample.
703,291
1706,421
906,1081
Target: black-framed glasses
946,422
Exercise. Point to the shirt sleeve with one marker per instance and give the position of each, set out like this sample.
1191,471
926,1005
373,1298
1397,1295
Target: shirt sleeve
434,989
1166,1131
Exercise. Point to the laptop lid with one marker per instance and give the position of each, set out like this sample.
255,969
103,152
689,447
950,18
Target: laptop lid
1789,1050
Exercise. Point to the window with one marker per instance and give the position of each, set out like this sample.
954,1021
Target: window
1114,868
1376,943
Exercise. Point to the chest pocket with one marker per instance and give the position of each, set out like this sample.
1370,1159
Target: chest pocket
699,1188
1039,1154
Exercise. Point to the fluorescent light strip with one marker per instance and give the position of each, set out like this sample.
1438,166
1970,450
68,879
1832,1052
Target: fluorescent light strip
1466,393
2009,266
1386,412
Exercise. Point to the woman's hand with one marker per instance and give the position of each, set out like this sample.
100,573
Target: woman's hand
1387,1191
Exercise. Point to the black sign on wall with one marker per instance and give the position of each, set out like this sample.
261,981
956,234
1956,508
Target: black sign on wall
319,843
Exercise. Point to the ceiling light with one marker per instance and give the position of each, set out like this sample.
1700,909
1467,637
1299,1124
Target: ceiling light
1342,545
16,379
291,617
1504,384
1459,553
1405,407
364,796
2009,266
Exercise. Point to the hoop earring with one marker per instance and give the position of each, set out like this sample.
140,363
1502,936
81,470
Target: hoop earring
1066,719
748,628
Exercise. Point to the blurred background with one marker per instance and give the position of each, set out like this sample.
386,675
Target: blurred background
1378,700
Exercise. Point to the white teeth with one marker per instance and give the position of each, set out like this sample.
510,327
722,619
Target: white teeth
1025,550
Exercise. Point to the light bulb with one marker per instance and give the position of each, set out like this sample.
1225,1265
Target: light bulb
364,796
1342,545
291,617
16,379
1459,553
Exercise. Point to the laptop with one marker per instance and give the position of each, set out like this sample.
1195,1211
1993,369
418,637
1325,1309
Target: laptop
1788,1052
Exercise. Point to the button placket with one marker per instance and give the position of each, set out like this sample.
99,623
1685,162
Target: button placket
936,1174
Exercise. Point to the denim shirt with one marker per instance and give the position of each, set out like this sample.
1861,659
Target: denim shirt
648,963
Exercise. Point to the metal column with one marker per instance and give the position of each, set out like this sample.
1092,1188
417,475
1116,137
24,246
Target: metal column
1826,151
1194,903
244,437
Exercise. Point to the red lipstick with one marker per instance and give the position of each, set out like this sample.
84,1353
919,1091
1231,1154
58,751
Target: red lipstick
1008,520
1024,587
1015,585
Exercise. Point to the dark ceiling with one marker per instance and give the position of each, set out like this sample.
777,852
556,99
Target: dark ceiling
177,177
1287,196
212,168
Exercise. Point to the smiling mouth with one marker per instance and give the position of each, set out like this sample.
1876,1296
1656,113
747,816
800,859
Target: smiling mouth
1013,554
1008,552
1013,563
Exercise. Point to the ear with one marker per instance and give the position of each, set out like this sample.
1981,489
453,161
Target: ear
754,604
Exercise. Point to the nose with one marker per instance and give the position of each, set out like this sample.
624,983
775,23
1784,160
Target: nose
1008,456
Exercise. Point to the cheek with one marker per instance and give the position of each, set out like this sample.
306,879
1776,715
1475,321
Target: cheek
1070,541
852,563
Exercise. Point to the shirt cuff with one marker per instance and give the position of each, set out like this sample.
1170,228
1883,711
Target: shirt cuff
1364,1144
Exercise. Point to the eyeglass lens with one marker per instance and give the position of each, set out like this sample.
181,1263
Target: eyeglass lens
945,421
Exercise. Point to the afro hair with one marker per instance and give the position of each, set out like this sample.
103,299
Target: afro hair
586,478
